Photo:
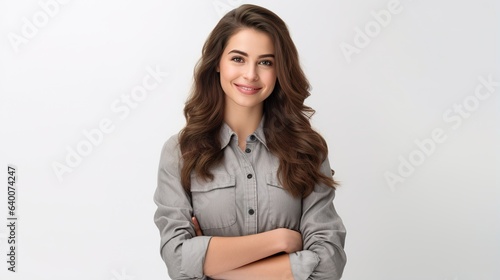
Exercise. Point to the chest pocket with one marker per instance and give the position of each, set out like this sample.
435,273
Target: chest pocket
214,202
284,210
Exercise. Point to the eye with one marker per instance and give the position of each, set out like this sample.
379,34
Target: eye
266,62
238,59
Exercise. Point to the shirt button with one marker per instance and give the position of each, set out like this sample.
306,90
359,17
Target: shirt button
251,211
249,176
247,150
252,137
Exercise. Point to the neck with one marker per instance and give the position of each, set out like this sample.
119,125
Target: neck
243,121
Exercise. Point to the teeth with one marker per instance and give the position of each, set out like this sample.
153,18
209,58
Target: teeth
247,88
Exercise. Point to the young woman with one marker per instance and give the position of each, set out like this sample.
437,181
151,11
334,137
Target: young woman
245,190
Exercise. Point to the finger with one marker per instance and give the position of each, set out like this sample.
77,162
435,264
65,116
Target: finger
197,228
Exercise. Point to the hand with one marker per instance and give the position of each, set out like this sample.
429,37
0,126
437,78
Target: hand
197,228
292,240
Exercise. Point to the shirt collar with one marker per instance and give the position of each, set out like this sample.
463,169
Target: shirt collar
226,133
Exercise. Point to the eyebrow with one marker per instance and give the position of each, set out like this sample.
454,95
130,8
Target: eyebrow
245,54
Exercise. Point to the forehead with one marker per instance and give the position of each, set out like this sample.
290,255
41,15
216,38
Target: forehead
251,41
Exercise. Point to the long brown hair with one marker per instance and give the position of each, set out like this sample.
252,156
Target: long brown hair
287,117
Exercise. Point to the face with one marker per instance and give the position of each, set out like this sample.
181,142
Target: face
247,71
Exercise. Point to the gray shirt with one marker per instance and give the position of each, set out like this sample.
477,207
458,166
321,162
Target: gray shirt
244,198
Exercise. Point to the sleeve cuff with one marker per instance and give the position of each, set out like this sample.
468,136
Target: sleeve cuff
193,256
303,264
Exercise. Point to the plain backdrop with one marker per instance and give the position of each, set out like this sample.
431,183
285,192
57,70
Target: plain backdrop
382,90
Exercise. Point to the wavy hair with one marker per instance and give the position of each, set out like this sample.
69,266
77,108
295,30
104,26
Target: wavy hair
287,117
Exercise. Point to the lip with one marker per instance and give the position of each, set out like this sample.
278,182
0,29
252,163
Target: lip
247,89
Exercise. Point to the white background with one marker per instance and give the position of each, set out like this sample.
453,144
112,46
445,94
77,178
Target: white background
442,222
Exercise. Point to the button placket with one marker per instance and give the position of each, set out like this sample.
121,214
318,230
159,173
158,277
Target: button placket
250,194
250,188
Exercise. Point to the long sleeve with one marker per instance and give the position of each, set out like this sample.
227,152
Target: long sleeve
182,251
323,234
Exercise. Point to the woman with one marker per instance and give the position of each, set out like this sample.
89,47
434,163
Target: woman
245,190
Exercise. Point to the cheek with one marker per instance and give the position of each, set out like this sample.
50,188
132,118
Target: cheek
270,79
227,72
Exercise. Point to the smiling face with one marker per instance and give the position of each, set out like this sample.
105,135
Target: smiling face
247,71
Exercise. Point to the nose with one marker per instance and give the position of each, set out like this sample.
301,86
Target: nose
251,73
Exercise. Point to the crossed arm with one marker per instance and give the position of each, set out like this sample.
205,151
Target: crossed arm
251,257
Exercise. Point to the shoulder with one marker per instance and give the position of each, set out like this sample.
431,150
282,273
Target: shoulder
325,167
171,144
171,152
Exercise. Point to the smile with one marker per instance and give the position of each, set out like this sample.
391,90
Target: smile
247,89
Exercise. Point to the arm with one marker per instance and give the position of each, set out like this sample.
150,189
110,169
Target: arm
324,236
181,250
228,253
248,256
275,267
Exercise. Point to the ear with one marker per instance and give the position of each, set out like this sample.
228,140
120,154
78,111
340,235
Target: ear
217,69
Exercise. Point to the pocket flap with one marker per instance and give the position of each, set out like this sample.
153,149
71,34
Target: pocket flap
220,181
272,179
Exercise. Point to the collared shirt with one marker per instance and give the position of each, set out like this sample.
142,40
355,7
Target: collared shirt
245,197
